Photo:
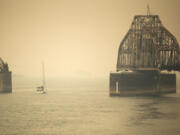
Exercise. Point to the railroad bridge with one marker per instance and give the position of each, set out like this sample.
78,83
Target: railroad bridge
5,78
147,55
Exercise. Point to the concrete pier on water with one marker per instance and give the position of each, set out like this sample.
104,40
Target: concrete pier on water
5,78
145,83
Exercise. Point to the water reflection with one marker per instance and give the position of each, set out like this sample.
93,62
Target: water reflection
155,108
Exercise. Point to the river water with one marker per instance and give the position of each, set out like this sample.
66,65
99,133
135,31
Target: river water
87,112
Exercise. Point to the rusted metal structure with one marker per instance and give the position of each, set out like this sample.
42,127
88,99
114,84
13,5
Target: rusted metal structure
148,44
5,78
147,49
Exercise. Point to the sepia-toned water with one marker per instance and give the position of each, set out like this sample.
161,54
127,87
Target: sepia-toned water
87,112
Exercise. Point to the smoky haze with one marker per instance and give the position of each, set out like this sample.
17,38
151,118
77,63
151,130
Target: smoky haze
75,38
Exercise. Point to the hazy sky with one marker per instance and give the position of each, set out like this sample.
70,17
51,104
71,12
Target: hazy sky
75,38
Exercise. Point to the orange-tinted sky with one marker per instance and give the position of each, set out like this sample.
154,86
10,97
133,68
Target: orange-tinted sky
75,38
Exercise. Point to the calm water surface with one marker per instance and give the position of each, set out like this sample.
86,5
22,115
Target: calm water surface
87,112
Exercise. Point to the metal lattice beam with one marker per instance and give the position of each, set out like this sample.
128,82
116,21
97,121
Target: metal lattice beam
148,44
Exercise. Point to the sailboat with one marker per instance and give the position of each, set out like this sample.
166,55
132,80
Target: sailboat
42,89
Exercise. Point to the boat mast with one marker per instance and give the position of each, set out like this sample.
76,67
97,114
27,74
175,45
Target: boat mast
43,75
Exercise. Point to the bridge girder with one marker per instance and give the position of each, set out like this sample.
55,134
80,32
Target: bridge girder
148,44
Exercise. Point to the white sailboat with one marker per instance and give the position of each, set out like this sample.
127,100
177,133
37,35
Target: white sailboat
42,89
